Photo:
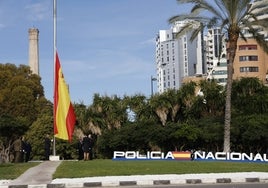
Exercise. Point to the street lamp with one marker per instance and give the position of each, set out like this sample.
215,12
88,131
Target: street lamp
152,85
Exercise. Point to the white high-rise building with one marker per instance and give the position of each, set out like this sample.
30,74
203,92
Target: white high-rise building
215,56
177,57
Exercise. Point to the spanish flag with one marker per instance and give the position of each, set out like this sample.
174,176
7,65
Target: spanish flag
64,116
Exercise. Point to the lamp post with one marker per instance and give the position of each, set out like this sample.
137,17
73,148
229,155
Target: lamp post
152,85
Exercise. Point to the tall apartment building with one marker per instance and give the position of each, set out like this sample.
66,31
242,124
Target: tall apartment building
250,60
177,58
215,56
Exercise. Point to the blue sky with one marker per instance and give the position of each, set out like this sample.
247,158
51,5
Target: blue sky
105,46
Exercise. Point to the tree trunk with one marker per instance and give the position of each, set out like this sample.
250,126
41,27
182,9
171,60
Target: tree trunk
227,118
233,37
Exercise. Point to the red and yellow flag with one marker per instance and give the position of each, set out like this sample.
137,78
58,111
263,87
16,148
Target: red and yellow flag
64,116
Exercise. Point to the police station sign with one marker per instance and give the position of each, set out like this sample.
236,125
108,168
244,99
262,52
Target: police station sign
197,155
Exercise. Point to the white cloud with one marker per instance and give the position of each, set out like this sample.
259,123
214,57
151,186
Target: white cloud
150,41
38,11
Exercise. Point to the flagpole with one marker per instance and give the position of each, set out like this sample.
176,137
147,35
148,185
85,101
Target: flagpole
54,60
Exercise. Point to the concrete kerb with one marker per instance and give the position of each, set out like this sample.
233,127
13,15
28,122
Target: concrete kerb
137,183
140,183
164,180
41,177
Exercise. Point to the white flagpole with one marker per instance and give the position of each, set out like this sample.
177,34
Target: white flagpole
54,57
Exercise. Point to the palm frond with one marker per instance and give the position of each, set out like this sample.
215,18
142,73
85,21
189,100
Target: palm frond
261,23
212,22
176,18
243,10
184,29
242,36
196,32
260,38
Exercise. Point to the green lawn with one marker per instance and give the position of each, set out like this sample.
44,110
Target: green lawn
75,169
12,170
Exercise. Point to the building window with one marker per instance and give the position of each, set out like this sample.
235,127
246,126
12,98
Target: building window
249,69
248,58
219,72
248,47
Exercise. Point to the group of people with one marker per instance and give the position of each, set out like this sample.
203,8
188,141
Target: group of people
22,150
85,145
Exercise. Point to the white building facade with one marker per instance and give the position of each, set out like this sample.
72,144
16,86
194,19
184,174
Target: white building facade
177,57
215,56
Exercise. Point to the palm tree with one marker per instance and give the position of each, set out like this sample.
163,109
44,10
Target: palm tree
161,105
213,97
232,17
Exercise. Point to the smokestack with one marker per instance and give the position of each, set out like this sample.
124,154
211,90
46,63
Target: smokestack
34,50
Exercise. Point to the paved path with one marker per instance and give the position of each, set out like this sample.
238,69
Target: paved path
40,176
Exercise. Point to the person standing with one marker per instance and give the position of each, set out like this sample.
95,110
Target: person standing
47,147
27,151
17,145
90,147
23,148
86,147
80,149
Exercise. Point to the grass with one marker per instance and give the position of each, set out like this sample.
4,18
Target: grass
77,169
14,170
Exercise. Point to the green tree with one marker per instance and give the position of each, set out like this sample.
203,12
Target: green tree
111,110
187,92
10,129
249,96
41,127
250,132
232,17
161,105
20,95
213,97
19,91
211,138
138,105
186,135
84,118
